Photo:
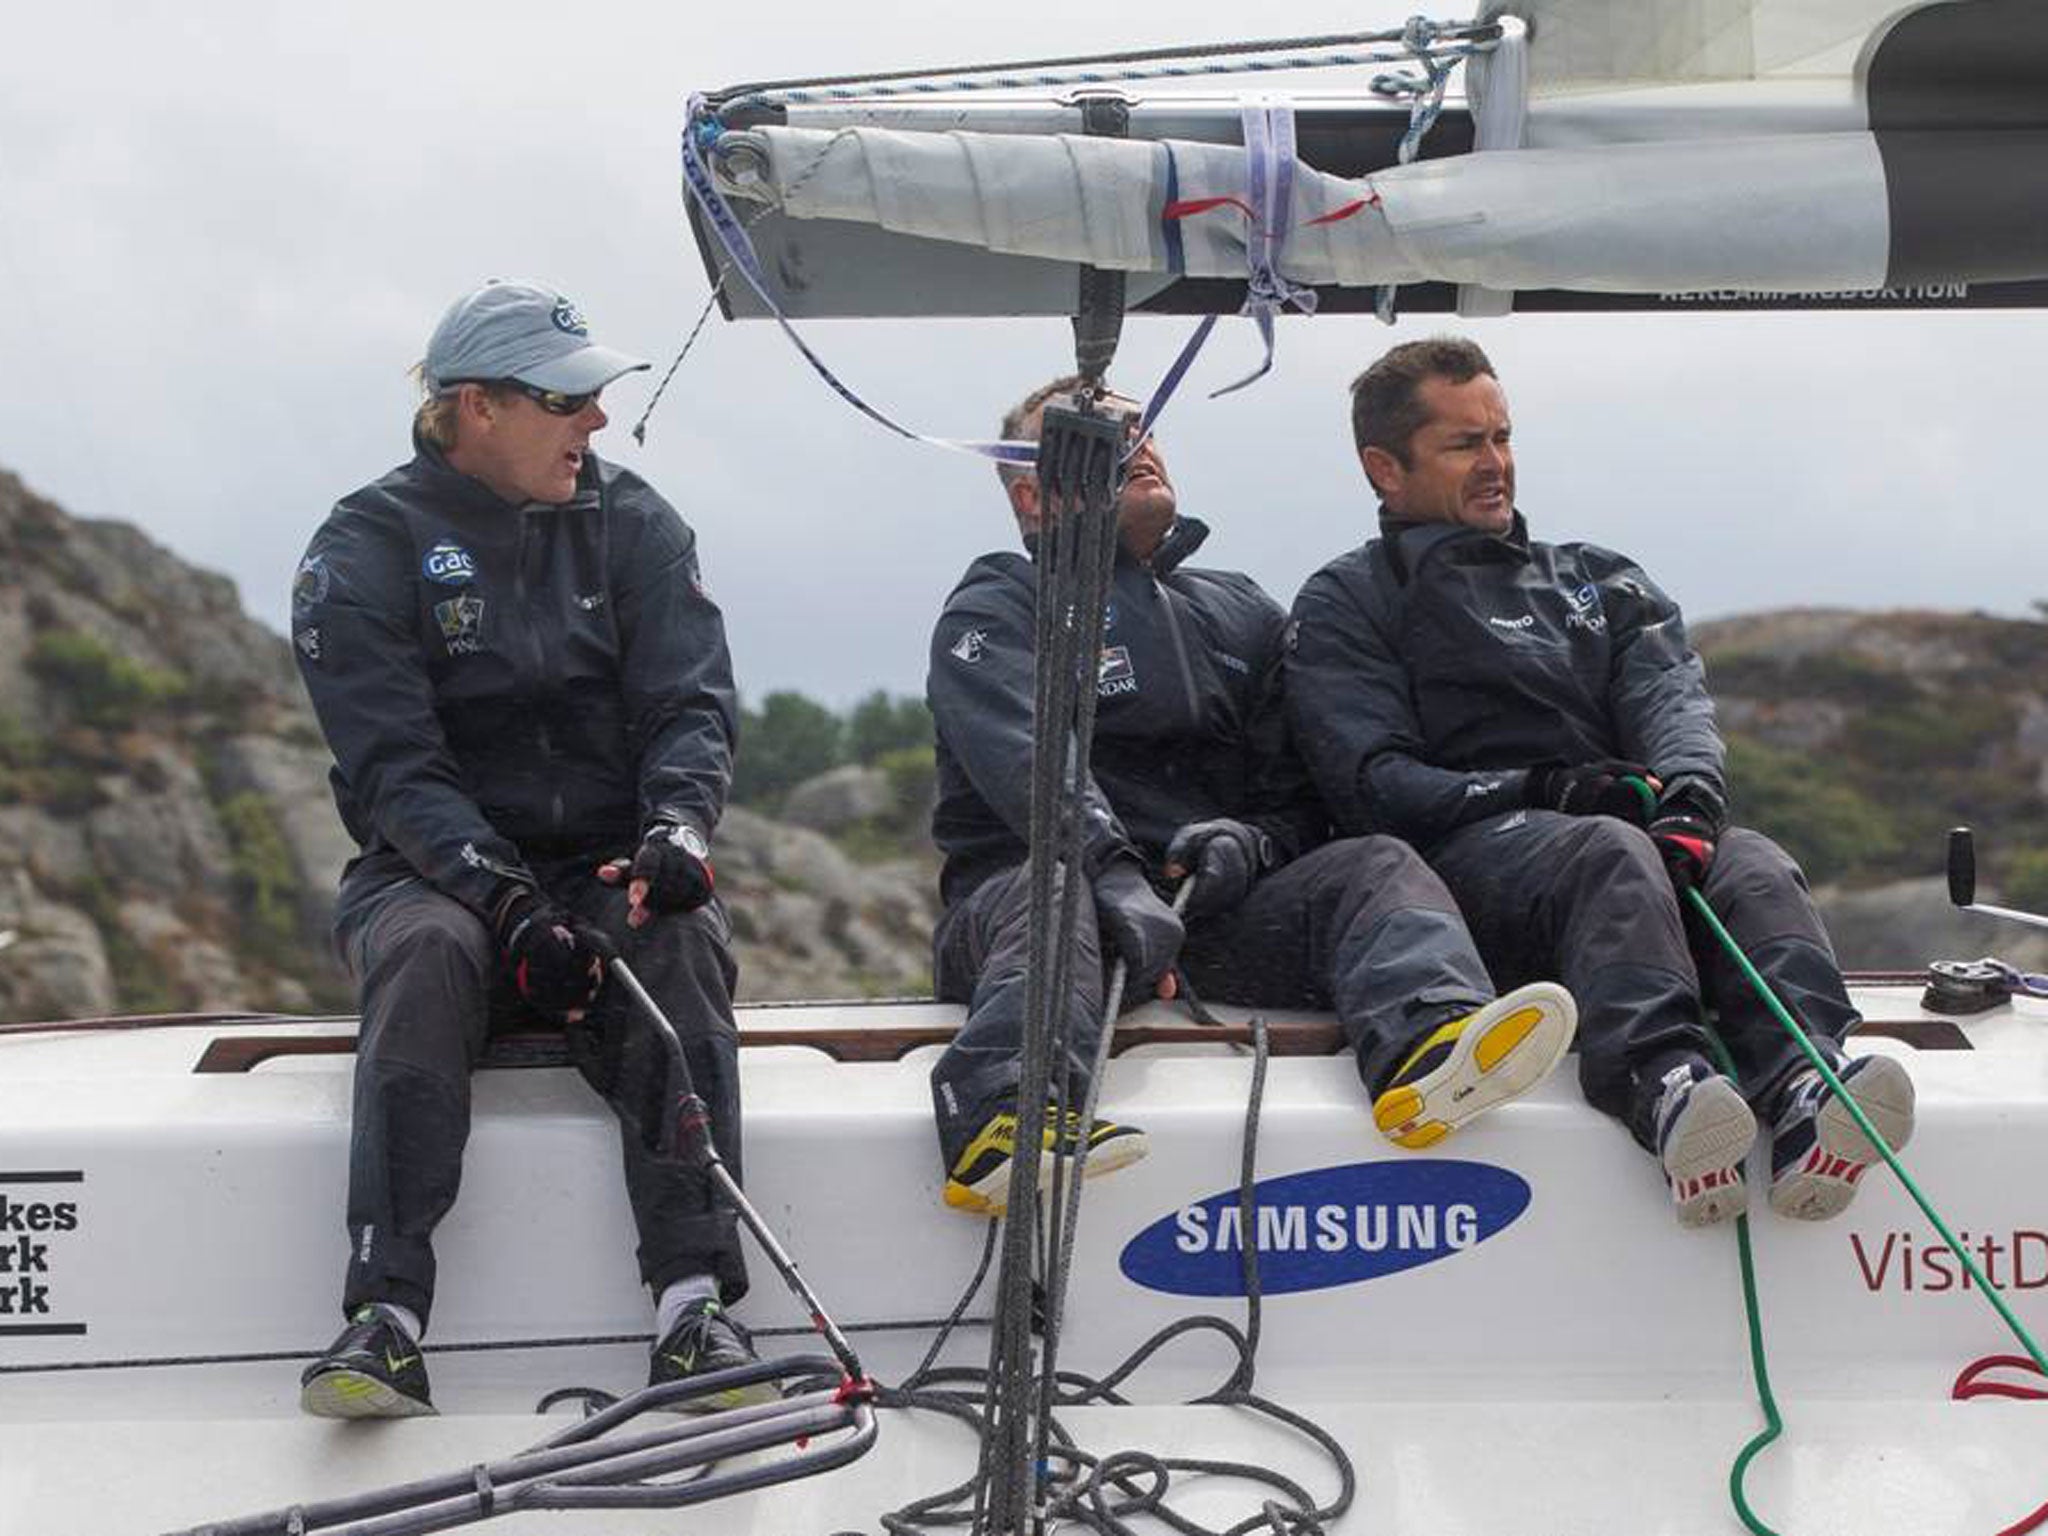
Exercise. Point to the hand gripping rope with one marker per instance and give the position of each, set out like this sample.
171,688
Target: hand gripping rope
1774,1423
602,1463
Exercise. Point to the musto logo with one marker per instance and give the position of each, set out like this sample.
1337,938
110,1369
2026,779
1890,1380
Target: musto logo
1328,1226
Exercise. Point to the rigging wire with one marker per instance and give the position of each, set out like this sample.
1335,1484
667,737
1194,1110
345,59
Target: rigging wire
1461,39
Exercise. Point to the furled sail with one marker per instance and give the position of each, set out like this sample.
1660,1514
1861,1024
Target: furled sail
1606,153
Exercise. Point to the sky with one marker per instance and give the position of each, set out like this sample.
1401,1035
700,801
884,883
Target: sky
227,228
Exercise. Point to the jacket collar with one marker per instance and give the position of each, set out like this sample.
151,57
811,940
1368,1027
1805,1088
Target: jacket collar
1409,544
1183,537
436,476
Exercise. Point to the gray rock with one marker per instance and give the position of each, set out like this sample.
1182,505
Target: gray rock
163,836
53,852
56,968
842,798
291,776
198,971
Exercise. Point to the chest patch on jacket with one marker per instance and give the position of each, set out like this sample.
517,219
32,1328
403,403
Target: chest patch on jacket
449,564
461,620
1114,673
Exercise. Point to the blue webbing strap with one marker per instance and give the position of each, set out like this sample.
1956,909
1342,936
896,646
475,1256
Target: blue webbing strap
1269,177
702,128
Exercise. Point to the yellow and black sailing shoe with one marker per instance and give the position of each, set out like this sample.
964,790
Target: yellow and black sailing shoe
1471,1064
703,1341
372,1371
979,1182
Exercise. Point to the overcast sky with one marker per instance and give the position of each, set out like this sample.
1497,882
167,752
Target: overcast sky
227,228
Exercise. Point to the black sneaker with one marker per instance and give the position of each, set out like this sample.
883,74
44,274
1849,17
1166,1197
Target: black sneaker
705,1340
1818,1152
1704,1131
372,1371
979,1180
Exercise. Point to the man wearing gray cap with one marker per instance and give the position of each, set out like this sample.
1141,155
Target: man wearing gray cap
530,705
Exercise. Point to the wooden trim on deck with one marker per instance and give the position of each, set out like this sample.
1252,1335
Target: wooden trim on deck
854,1043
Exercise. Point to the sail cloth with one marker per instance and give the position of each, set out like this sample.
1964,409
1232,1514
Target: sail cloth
1845,149
1605,45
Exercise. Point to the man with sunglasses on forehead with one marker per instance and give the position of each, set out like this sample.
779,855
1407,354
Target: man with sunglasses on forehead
530,705
1192,776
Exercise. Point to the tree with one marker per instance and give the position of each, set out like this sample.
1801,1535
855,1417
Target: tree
791,739
880,725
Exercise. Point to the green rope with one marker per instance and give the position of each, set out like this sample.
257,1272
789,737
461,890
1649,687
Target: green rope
1763,990
1774,1423
1759,1364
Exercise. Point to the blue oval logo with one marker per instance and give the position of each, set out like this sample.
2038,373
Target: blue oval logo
448,563
1328,1227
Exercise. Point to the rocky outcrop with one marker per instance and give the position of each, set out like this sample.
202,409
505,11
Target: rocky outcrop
839,799
810,922
168,841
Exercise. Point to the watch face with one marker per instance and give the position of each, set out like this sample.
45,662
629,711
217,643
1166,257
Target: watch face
690,840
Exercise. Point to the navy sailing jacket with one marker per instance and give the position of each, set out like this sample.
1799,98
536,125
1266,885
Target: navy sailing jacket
501,683
1431,668
1189,721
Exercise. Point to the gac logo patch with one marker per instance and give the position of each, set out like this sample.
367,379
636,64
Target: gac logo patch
1328,1227
449,564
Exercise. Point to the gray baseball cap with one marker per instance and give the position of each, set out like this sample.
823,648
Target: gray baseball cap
514,330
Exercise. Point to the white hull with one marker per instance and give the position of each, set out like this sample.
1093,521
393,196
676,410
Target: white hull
1573,1371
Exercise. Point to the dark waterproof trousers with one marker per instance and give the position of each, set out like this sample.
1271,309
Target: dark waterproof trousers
432,993
1585,900
1360,926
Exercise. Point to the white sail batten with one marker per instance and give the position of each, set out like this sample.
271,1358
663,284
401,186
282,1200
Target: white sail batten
1792,213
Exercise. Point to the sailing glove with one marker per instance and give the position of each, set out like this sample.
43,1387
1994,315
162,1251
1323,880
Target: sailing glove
556,959
1224,856
1688,821
675,862
1140,927
1588,789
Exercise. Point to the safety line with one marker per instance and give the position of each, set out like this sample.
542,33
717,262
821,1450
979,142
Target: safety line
269,1356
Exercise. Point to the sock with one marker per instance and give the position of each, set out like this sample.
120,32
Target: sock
405,1317
677,1295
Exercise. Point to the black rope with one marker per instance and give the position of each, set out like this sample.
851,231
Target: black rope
1104,1493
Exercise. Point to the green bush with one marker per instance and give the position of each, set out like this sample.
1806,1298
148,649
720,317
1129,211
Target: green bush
1834,831
266,883
882,725
99,685
913,775
2026,880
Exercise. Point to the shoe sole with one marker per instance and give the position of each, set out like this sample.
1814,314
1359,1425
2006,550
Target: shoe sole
1510,1046
1714,1131
1826,1179
990,1196
346,1394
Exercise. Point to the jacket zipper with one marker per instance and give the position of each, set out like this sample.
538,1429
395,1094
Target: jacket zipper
1180,652
556,812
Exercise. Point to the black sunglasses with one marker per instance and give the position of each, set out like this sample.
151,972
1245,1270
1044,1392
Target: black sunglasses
553,401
